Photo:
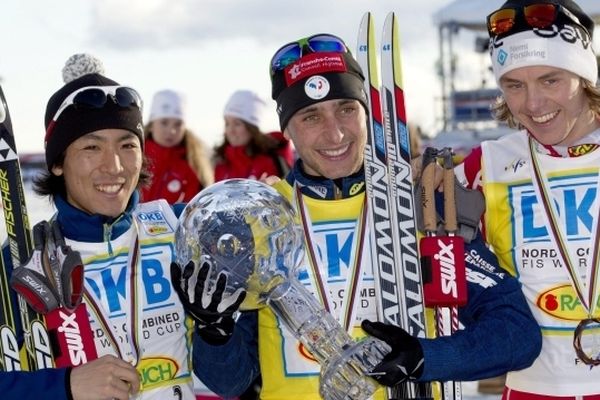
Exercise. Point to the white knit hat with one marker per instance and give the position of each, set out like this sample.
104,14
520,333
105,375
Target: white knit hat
566,44
247,106
527,48
168,104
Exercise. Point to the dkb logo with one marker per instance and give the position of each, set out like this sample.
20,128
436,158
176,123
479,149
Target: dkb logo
573,201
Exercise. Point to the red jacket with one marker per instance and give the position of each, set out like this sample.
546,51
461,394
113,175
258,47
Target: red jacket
285,151
172,177
238,164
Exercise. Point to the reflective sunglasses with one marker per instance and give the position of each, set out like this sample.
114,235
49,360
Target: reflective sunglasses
95,97
91,97
541,15
291,52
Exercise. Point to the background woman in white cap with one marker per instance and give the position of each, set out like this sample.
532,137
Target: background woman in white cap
179,161
246,152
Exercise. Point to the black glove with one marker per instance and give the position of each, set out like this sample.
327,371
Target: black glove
405,361
212,310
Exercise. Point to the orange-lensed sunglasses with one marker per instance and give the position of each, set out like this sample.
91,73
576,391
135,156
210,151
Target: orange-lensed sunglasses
540,16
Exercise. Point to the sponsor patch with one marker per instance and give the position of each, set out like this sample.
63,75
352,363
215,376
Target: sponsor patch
154,223
155,371
356,188
502,56
317,87
313,64
582,149
561,302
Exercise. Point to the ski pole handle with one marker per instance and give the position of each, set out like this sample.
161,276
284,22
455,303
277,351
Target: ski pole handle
451,224
428,191
442,257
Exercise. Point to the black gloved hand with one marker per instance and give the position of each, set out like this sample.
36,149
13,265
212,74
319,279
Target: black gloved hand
211,309
405,361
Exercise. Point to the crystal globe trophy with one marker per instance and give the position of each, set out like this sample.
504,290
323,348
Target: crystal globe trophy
249,231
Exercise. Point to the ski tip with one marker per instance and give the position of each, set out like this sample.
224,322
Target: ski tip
390,19
3,108
2,111
366,19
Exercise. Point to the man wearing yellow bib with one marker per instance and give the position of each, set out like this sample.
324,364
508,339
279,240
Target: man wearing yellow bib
318,87
541,188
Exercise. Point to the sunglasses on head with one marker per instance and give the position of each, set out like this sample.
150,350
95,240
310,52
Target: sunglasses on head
541,15
95,97
291,52
91,97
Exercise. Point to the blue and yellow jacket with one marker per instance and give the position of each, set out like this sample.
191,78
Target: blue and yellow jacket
54,383
499,332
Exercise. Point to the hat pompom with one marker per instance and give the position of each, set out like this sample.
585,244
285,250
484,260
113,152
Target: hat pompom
81,64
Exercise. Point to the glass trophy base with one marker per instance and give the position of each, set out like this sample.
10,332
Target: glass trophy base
345,377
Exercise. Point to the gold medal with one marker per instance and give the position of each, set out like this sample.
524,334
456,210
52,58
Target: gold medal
593,357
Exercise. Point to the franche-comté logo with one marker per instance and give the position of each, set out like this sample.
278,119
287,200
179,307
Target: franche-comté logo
314,64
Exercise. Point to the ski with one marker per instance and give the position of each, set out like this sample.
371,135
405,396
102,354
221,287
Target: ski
389,188
36,352
402,200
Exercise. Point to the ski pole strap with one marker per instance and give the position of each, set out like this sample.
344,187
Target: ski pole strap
36,289
53,276
72,279
67,268
468,215
33,280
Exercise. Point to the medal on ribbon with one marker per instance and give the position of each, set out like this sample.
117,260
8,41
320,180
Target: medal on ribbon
587,347
582,344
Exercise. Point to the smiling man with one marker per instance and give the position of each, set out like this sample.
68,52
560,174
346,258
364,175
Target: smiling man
95,165
541,187
318,87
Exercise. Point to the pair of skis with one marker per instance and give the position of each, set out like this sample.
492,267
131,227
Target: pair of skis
36,353
389,186
71,342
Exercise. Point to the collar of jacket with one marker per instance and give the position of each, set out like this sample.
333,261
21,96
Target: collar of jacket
76,224
319,187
